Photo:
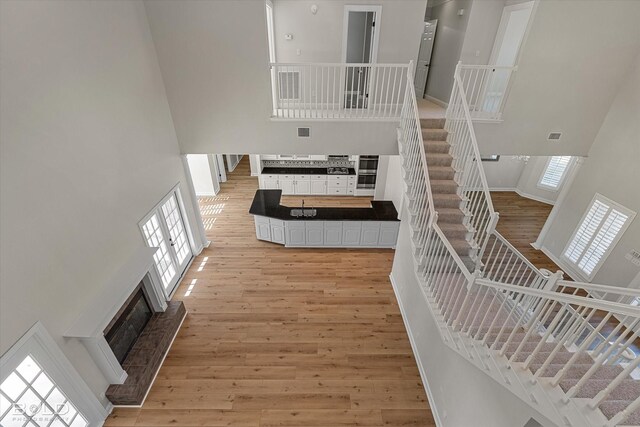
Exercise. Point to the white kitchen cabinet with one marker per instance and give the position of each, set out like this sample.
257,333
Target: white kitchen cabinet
351,232
333,233
296,233
317,233
337,191
263,228
277,231
302,184
341,185
388,233
318,186
314,233
303,187
269,184
286,185
370,233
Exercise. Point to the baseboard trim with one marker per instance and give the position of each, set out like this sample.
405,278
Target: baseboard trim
511,189
536,198
563,265
437,101
423,375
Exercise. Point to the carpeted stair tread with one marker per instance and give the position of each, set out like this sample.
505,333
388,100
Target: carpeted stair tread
626,390
562,357
446,186
578,371
445,200
436,147
613,407
432,123
439,159
450,215
434,134
461,246
441,172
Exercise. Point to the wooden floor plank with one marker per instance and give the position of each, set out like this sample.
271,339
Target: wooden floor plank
283,336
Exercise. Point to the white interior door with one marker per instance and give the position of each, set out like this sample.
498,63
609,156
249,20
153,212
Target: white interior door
359,46
424,57
506,49
511,32
164,228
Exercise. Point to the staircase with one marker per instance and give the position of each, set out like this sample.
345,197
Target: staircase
555,351
446,199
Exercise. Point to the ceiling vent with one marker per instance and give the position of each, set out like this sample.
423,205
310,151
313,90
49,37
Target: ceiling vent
304,132
554,136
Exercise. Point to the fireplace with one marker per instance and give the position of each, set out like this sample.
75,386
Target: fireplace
125,328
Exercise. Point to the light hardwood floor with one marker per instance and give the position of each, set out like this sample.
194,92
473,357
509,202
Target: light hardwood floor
521,221
283,337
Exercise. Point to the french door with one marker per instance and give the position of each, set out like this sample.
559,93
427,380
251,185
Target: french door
164,228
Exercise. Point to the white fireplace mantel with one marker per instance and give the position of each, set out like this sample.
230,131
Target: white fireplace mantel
96,316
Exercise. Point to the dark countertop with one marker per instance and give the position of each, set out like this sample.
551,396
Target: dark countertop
267,203
302,171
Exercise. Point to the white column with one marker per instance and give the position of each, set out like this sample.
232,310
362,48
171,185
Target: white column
566,187
202,236
102,354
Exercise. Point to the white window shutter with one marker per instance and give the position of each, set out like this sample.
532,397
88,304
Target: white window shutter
596,235
554,172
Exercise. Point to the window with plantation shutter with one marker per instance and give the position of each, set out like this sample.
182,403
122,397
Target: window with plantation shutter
600,229
554,172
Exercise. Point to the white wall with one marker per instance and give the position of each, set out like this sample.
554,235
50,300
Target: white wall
530,177
255,164
213,57
484,20
88,148
394,184
504,174
450,377
201,174
450,34
611,169
568,86
319,37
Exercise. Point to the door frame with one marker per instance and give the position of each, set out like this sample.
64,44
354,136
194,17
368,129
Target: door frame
502,28
187,226
376,33
38,342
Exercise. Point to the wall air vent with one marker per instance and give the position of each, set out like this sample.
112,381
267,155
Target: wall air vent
554,136
304,132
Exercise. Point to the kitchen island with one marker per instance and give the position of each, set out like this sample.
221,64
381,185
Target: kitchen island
373,227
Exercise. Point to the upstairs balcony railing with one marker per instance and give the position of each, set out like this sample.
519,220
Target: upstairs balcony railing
486,88
338,91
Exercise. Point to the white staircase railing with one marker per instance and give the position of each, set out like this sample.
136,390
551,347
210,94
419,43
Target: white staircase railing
487,88
547,340
338,91
472,182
